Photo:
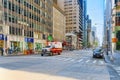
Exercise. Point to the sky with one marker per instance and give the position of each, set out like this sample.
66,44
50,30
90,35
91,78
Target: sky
95,9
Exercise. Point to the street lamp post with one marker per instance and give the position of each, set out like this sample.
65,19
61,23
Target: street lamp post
107,39
4,44
4,29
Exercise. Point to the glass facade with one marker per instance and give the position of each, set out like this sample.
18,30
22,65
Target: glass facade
33,15
25,18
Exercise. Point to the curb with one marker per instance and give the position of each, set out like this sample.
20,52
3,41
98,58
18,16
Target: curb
109,59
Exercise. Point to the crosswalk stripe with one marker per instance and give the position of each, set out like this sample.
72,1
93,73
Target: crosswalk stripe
67,59
80,60
118,71
112,76
72,60
94,61
101,62
87,61
117,68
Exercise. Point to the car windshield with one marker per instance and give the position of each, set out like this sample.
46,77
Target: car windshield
47,46
97,50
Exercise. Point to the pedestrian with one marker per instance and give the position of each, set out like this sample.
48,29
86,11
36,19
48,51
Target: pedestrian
2,51
9,51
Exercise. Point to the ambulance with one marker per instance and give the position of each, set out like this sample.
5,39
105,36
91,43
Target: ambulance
52,48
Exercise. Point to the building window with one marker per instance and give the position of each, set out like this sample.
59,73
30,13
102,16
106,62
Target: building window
5,3
9,5
117,21
37,2
43,36
10,19
28,33
19,1
15,31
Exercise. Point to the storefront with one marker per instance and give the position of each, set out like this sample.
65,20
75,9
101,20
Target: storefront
38,47
2,41
29,46
16,46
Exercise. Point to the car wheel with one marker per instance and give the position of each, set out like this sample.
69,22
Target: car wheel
58,53
51,54
93,56
103,57
41,54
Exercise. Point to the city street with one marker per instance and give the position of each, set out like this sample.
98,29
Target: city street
59,39
70,65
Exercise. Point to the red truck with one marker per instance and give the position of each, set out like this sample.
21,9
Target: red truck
52,48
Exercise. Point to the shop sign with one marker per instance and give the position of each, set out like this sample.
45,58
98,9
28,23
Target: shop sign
114,40
2,37
29,40
50,38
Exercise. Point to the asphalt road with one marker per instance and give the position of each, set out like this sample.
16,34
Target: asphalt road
70,65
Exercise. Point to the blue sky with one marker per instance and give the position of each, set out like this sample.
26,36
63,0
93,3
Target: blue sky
95,9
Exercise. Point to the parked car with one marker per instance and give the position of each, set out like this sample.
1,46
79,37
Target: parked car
98,53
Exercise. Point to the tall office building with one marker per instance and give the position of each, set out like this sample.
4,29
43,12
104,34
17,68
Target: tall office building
84,23
89,33
94,33
74,18
108,23
25,24
115,7
58,23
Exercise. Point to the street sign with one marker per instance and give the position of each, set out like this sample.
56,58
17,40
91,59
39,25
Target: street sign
50,38
114,40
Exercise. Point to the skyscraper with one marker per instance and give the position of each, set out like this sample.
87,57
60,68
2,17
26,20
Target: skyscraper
58,23
108,24
74,17
26,23
84,23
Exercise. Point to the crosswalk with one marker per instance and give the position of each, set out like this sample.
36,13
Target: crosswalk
81,60
76,53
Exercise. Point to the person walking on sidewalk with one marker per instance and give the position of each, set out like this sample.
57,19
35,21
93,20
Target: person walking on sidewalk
1,49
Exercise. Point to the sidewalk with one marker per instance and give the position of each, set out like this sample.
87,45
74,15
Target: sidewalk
22,54
113,58
19,54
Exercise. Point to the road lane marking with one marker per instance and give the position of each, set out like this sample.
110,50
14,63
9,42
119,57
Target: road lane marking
87,61
80,60
112,76
67,59
118,72
72,60
117,68
94,61
101,62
